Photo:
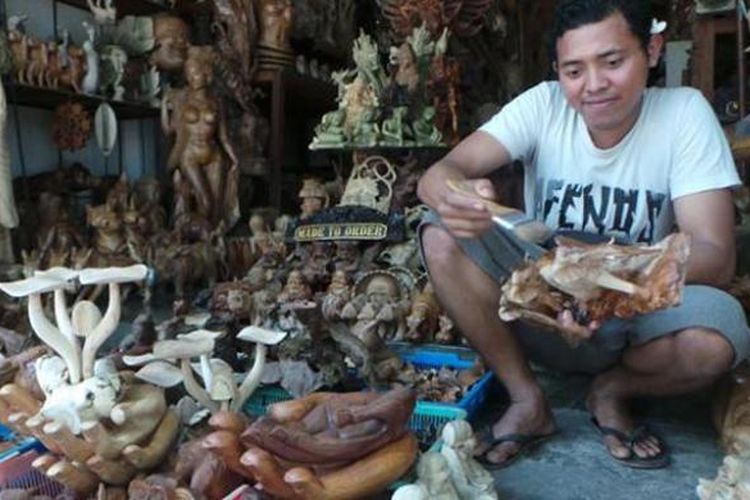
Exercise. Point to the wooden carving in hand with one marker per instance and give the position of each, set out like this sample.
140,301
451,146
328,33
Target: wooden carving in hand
599,281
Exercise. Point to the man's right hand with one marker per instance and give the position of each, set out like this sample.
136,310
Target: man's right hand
476,156
464,215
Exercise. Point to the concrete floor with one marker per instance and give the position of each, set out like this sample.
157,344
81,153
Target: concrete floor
576,466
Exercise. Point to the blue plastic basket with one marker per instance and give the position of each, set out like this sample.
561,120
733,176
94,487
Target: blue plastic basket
17,473
22,444
263,397
460,358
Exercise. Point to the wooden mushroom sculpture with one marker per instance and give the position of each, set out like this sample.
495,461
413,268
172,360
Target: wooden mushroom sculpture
61,341
262,338
219,391
161,370
104,428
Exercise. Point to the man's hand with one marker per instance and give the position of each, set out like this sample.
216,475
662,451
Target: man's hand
573,331
474,158
464,215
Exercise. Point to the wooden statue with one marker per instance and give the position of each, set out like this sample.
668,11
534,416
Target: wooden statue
295,289
171,39
314,197
275,23
19,45
381,303
202,151
422,321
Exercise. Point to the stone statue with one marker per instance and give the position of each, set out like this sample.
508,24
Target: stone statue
330,132
393,128
433,483
202,151
171,36
367,132
90,83
275,23
113,58
425,131
471,480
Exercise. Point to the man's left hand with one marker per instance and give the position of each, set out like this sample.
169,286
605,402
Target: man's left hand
574,331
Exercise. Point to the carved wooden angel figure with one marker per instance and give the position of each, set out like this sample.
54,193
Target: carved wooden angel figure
202,151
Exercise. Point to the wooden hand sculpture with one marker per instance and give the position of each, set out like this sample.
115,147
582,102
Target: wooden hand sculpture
324,446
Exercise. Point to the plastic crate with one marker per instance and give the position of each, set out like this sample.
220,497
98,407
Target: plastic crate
22,444
428,420
17,474
460,358
263,397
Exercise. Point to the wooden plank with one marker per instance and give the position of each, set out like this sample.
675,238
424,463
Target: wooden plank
126,7
44,98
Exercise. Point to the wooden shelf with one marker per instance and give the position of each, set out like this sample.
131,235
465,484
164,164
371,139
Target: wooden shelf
39,97
300,91
126,7
292,96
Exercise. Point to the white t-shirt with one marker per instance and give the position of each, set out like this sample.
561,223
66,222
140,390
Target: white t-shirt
675,148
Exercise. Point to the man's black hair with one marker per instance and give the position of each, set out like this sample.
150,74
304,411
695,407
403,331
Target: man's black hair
572,14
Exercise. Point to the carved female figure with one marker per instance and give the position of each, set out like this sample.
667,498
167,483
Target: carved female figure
202,151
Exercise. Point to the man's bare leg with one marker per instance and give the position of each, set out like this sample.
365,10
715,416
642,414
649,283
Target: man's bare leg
671,365
471,299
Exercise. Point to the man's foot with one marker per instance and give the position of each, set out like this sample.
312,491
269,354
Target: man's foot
631,445
524,424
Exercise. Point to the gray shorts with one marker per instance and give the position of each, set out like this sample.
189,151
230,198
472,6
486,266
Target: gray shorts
497,252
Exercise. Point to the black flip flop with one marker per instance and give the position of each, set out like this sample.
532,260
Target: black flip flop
629,440
527,442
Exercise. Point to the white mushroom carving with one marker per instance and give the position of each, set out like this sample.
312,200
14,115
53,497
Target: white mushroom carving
219,391
61,340
159,371
262,338
86,321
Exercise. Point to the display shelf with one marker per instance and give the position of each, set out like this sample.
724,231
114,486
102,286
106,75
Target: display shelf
382,149
126,7
45,98
300,91
290,94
